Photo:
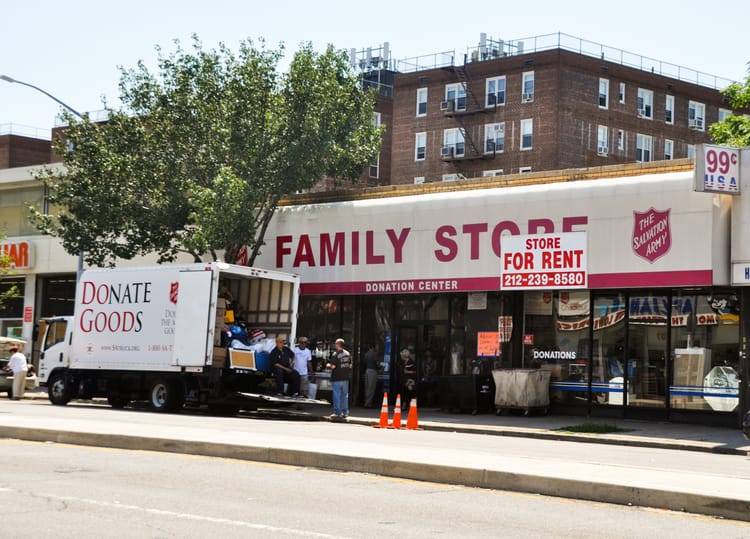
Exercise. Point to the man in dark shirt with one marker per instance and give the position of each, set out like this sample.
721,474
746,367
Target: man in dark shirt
341,372
371,375
282,359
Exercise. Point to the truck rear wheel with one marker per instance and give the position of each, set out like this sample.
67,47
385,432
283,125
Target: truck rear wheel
58,389
166,396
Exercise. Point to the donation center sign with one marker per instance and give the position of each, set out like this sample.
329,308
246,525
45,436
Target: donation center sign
544,262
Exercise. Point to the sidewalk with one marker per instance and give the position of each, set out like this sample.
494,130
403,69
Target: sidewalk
652,434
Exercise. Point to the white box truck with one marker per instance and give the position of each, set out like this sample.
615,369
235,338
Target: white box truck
154,334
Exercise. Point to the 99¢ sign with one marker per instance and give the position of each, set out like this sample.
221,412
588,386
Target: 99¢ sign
544,261
717,169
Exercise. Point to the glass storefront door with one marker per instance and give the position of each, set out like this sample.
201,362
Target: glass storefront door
647,351
428,345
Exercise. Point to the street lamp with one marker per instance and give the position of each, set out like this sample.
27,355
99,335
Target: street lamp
11,80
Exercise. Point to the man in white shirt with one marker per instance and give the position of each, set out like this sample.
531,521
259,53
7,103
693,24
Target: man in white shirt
303,364
17,364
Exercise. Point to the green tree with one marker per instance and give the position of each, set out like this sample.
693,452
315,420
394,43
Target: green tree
6,269
201,152
734,130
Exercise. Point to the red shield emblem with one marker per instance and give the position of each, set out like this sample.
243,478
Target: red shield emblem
652,236
242,256
173,290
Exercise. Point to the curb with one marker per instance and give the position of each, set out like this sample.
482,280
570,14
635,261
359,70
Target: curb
472,477
571,437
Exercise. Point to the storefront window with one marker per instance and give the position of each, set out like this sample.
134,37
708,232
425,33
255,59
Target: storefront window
11,307
419,307
58,296
322,321
556,324
647,345
608,350
705,335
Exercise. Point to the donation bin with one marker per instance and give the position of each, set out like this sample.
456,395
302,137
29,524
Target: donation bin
521,389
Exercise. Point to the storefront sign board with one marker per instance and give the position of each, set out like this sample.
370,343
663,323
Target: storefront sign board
544,262
451,242
717,169
20,253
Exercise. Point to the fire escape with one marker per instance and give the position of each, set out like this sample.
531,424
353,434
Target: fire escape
462,108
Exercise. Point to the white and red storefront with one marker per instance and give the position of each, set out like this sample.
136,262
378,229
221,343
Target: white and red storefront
645,252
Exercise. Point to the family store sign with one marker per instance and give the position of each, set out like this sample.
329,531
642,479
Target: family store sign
639,232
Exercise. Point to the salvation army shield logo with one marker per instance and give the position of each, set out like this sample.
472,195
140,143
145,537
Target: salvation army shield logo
173,290
652,236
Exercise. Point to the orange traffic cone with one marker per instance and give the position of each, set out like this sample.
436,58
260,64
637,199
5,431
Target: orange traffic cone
383,424
412,422
397,413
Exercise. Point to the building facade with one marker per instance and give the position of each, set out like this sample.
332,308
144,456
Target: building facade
652,332
559,102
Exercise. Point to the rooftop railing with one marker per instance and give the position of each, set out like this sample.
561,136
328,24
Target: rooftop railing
494,49
24,131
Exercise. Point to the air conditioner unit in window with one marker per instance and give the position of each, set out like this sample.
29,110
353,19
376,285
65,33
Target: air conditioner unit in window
526,98
695,123
642,113
602,150
447,106
446,152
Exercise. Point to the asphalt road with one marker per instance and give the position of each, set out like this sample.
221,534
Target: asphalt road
68,491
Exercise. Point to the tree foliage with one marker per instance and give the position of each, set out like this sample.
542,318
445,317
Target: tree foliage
734,130
201,152
6,269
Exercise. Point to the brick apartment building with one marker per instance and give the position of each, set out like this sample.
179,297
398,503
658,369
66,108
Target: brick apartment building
544,103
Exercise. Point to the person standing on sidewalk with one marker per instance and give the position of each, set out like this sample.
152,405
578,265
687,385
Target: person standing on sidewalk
371,375
341,372
17,364
303,365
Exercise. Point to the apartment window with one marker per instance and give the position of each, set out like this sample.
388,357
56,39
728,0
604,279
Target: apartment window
375,168
456,94
527,134
668,150
453,143
691,151
603,93
527,87
494,137
622,92
696,115
524,169
643,148
420,146
620,140
602,140
422,102
723,114
669,109
495,92
450,177
418,180
645,103
490,173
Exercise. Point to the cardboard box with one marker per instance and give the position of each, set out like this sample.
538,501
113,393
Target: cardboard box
243,359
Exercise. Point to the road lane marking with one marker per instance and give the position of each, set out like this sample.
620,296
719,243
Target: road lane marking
191,516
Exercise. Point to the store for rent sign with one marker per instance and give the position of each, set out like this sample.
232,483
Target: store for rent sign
717,169
546,261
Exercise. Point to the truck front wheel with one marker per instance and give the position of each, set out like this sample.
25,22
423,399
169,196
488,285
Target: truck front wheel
165,396
59,389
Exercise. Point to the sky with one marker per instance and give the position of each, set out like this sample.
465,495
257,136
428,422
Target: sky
73,49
